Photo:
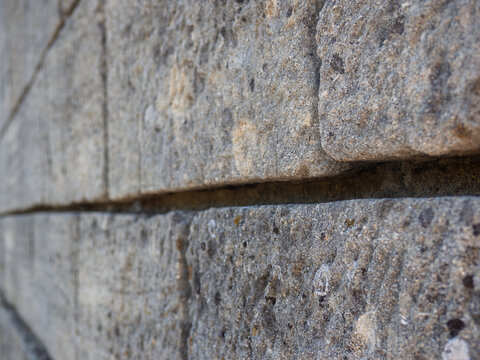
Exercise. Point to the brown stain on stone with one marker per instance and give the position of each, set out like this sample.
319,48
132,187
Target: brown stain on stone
462,131
244,140
271,8
237,220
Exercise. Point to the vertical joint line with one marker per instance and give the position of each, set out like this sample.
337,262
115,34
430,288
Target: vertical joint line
104,75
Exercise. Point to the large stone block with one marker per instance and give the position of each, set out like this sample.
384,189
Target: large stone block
376,279
132,287
399,79
16,342
212,92
26,28
54,150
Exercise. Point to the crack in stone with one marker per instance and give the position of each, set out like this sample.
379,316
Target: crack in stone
456,176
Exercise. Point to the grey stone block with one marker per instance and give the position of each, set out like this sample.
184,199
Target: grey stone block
209,93
399,79
16,342
40,277
382,279
132,287
97,286
26,28
54,150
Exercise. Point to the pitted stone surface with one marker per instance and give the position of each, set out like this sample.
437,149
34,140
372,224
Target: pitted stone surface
97,286
399,78
131,292
53,151
383,279
210,93
369,279
16,342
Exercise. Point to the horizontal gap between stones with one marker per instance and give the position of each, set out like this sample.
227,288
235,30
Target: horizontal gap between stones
32,343
456,176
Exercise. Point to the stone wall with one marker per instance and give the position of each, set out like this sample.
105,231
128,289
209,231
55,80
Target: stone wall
240,179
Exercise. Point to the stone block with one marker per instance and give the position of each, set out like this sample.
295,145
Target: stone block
40,277
212,93
26,28
97,286
132,287
399,79
54,150
377,279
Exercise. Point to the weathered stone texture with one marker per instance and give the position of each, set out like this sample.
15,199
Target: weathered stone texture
16,342
98,286
383,279
212,92
26,28
131,291
53,151
399,79
140,97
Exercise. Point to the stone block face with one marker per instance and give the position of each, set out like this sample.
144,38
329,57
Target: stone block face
210,93
97,286
40,277
26,28
16,343
132,287
380,279
399,79
53,151
383,279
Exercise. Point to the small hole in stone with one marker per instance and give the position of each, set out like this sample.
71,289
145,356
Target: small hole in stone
455,326
468,282
476,229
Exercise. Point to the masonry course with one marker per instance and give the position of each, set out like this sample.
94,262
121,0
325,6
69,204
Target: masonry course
228,179
362,278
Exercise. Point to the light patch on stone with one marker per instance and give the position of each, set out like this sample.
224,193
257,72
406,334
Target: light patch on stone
365,328
456,349
244,140
320,281
211,228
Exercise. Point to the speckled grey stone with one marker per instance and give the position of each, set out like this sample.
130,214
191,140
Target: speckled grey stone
53,151
383,279
97,286
399,78
26,28
16,342
132,287
368,279
204,93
